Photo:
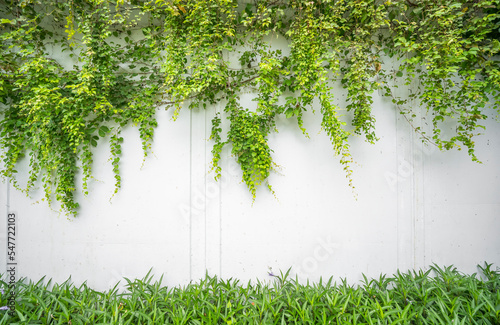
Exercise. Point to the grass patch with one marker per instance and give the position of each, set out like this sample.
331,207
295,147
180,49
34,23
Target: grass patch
437,296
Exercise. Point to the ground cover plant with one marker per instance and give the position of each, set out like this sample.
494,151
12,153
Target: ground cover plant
74,73
437,296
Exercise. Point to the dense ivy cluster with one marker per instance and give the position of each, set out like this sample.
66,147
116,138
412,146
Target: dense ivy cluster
131,57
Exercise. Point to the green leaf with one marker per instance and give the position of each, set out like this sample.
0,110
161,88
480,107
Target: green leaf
7,21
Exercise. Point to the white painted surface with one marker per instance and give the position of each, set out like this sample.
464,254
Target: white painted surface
415,206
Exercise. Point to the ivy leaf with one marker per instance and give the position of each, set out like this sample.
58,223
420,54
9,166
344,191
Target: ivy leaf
103,130
7,21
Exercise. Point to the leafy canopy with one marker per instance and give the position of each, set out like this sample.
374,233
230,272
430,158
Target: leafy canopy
131,57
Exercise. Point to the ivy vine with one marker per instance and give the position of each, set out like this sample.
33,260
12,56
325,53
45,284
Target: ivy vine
130,58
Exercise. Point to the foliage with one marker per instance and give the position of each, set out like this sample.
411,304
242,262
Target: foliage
131,57
444,297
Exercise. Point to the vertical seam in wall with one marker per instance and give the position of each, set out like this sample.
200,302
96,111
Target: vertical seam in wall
414,194
220,227
219,184
205,185
417,202
8,197
190,194
398,223
422,209
421,197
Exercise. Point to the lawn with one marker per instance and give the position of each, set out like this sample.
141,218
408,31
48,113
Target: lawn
436,296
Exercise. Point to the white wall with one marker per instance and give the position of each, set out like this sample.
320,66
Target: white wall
415,206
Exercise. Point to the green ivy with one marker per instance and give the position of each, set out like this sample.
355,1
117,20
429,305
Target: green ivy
131,57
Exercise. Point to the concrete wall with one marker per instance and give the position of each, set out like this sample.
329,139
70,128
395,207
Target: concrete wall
415,206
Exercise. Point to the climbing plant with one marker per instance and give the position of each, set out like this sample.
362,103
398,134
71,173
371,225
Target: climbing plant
74,72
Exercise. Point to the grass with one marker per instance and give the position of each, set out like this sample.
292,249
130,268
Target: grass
437,296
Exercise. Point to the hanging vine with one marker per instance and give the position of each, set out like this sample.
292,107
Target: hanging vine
130,58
